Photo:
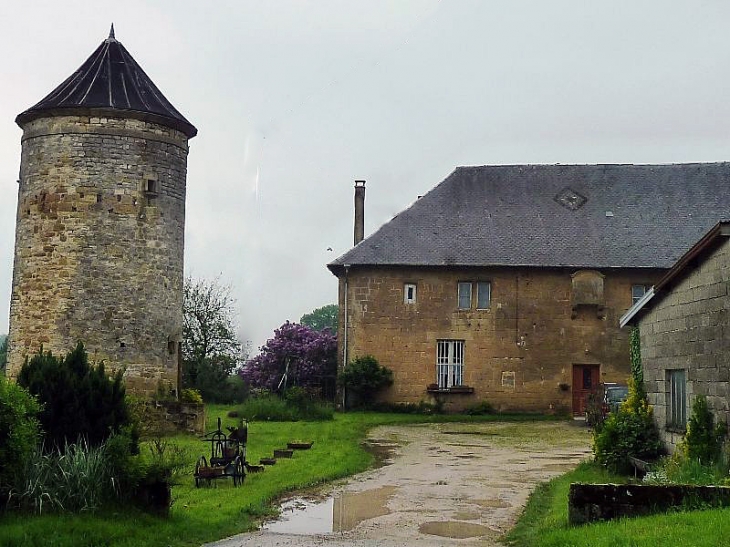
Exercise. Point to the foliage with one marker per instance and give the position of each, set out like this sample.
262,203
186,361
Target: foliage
630,431
703,440
479,409
19,429
595,415
637,371
295,404
210,348
679,469
79,400
3,352
190,395
421,407
365,377
297,355
74,478
326,317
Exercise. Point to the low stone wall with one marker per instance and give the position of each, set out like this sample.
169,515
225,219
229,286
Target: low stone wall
174,417
593,502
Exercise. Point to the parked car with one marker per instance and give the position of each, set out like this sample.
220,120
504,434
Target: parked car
613,396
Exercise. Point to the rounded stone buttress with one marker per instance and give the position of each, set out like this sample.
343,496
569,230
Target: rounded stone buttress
99,245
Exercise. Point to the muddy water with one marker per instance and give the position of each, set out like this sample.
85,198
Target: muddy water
454,529
334,514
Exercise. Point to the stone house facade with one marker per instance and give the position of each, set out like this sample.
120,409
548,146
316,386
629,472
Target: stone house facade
685,335
100,223
506,283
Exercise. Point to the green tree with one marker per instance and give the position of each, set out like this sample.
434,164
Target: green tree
322,318
211,350
3,352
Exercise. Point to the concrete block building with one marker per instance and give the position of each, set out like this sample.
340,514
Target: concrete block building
506,283
100,222
684,328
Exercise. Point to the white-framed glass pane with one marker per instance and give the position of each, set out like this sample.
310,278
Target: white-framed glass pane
409,293
449,363
464,295
637,291
484,291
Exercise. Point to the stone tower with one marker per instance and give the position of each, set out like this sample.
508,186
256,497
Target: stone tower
100,224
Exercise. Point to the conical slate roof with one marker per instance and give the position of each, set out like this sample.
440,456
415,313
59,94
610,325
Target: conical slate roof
110,79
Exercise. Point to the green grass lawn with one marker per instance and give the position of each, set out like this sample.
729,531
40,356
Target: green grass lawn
201,515
544,522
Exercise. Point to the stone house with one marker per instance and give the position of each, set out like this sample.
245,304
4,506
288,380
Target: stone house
506,283
683,326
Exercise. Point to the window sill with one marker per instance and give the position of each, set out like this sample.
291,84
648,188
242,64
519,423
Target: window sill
455,390
676,429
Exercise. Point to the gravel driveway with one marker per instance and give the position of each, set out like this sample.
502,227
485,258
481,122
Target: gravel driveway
444,484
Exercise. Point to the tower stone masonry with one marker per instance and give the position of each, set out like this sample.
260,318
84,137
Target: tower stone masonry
100,223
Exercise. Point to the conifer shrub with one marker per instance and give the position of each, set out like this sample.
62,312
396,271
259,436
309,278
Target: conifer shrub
704,439
630,431
78,400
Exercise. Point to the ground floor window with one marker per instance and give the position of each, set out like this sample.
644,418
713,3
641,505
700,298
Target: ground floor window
677,399
449,363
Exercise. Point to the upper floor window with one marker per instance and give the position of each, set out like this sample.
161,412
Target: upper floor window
637,291
464,295
483,290
409,293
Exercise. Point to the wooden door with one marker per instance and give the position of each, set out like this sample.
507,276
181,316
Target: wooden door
585,380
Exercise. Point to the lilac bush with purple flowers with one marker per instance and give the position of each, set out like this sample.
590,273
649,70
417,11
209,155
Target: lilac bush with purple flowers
299,355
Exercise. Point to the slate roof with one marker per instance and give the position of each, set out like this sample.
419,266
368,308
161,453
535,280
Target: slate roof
577,216
110,79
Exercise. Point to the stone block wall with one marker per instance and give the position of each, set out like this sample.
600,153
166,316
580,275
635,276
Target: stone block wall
687,328
519,352
99,245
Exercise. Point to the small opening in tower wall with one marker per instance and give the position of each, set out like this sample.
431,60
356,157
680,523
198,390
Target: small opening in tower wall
98,198
150,186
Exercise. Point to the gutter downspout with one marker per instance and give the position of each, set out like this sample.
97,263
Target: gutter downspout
344,348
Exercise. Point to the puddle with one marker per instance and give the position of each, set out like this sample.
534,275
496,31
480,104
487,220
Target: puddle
454,529
382,449
492,504
334,514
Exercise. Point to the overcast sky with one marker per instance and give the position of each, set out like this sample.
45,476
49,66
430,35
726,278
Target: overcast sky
296,99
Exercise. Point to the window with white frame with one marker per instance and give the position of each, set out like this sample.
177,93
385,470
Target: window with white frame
676,399
484,292
464,295
449,363
637,291
409,293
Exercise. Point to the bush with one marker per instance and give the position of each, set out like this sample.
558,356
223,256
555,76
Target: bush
421,407
79,400
294,405
19,429
703,440
71,479
479,409
630,431
191,396
364,376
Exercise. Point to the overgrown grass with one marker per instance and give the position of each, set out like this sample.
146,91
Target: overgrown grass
206,514
544,523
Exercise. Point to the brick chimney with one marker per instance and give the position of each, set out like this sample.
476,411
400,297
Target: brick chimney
359,211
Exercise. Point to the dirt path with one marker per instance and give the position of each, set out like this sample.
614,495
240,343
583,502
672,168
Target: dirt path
445,484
